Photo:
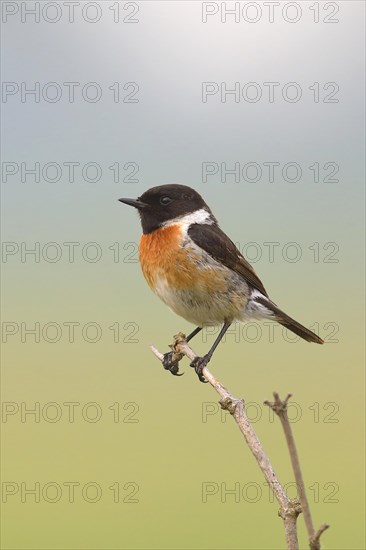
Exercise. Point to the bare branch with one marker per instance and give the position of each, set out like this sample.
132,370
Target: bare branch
280,408
289,509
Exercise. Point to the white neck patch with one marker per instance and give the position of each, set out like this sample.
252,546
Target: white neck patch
198,216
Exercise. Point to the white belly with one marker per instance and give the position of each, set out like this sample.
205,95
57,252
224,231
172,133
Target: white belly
202,308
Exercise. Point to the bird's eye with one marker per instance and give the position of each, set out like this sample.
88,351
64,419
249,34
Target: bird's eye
165,200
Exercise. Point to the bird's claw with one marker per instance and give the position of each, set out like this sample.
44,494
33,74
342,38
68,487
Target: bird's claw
199,363
170,365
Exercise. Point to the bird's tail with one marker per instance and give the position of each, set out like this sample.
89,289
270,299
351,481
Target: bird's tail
290,323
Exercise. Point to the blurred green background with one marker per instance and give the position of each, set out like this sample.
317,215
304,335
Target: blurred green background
150,458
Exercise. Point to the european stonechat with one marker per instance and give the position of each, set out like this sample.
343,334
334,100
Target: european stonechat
197,271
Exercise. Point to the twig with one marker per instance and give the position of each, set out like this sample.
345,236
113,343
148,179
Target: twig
280,408
289,508
315,540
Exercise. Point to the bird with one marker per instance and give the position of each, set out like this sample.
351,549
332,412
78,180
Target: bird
197,271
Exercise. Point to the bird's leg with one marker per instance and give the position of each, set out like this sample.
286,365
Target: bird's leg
193,333
173,365
199,363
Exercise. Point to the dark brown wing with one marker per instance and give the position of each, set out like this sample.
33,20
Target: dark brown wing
218,245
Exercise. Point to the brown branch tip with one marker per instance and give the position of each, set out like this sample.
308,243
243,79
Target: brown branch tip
278,406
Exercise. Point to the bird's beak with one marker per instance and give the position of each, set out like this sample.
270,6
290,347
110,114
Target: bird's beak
136,203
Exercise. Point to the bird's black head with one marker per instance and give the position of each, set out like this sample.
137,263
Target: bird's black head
164,203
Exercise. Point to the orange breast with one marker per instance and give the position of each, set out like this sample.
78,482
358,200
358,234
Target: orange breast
162,255
158,251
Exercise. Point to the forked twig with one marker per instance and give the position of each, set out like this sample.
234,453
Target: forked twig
280,408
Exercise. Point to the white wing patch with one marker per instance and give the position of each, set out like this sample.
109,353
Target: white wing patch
256,310
256,294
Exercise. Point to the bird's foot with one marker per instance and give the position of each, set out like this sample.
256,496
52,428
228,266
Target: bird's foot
199,363
170,364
